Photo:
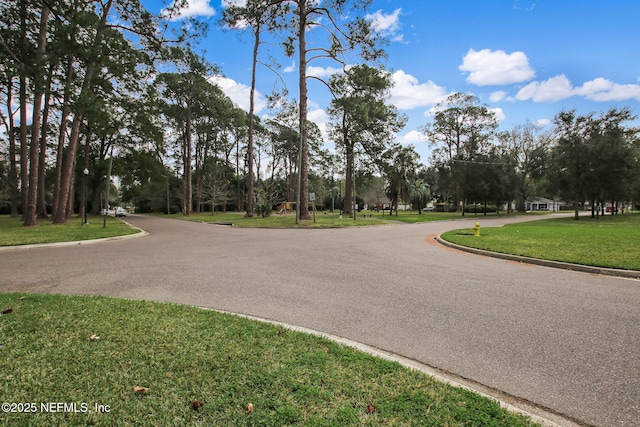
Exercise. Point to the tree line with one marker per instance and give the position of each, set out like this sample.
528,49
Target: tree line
94,92
589,158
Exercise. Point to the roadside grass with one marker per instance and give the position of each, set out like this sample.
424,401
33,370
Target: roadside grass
324,219
201,367
238,219
12,232
610,241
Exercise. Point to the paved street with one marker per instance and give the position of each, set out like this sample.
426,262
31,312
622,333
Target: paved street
567,341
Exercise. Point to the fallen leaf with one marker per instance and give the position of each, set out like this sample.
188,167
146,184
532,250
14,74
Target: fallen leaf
140,390
8,310
196,404
370,409
250,408
94,338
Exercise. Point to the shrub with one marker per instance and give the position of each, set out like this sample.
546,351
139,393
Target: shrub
478,208
263,209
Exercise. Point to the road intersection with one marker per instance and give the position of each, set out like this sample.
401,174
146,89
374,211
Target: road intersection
563,341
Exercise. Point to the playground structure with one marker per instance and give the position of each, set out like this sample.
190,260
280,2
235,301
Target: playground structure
285,207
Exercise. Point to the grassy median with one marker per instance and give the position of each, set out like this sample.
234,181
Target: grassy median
611,241
323,219
106,361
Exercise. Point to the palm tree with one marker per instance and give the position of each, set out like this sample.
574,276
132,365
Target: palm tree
419,192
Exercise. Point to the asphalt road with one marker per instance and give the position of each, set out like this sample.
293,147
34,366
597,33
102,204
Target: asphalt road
566,341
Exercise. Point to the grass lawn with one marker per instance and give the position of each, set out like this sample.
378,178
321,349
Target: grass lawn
610,241
167,364
13,233
324,219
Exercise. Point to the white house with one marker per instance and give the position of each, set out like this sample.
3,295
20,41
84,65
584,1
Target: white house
542,204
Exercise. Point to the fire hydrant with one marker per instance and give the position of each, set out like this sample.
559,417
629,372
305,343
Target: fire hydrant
476,229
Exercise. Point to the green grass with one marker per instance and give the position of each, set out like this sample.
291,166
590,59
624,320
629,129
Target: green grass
184,354
610,241
324,219
238,219
13,233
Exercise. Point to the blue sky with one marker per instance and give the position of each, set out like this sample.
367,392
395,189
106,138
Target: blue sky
527,60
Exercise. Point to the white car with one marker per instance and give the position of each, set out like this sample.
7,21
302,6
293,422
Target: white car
121,212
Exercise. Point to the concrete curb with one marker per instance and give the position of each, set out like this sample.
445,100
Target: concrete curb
544,416
631,274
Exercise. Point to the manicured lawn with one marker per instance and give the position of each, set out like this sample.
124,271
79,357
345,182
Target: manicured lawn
610,241
13,233
198,367
238,219
324,219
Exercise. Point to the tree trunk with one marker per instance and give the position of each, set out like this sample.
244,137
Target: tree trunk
188,208
62,137
68,208
24,151
13,165
292,185
31,215
348,182
60,216
250,178
523,196
302,205
238,197
42,199
68,166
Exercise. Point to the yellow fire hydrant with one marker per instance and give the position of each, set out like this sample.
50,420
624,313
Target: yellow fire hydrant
476,229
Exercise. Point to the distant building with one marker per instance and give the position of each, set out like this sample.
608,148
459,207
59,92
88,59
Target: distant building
543,204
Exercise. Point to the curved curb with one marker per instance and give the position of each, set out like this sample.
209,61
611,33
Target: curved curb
630,274
538,414
140,233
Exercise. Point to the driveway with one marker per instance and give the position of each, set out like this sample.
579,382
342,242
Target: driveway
566,341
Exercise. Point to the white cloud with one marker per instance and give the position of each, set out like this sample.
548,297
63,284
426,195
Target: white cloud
559,87
407,93
291,68
322,72
387,25
239,3
317,116
486,67
412,137
497,96
500,116
603,90
239,93
193,8
320,117
554,89
542,122
528,8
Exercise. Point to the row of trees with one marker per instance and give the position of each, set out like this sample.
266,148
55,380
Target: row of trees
584,158
99,77
74,78
92,89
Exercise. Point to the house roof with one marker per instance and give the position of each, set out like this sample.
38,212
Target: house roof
541,200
